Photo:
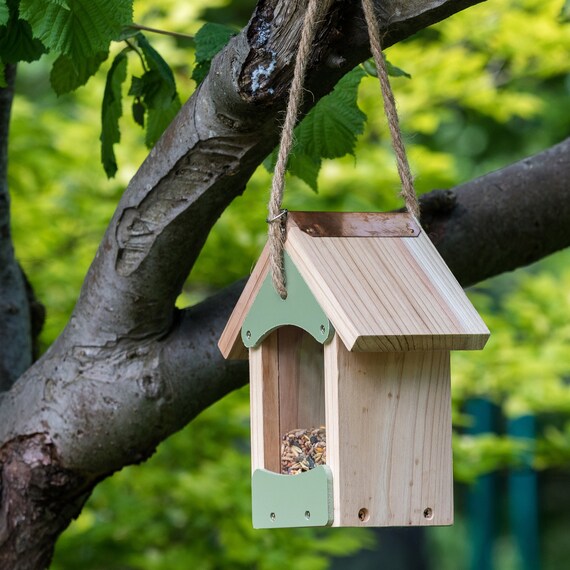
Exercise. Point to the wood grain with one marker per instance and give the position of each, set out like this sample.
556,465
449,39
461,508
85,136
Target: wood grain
301,380
387,294
389,436
384,294
354,224
264,405
230,343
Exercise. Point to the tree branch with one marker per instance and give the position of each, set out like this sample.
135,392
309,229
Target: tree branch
15,326
504,220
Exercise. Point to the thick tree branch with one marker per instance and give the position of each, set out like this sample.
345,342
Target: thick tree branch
15,326
506,219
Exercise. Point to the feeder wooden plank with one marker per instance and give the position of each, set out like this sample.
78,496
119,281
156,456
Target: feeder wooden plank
264,405
230,343
389,437
354,224
387,294
301,380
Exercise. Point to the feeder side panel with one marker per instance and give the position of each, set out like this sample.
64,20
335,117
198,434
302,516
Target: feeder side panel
394,463
264,405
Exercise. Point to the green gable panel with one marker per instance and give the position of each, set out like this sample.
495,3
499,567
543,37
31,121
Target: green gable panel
269,311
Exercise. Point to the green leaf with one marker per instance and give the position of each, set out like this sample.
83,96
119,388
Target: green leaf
370,68
158,120
396,71
210,39
67,74
16,40
77,28
331,128
137,87
306,168
328,131
112,111
4,13
2,76
138,112
79,31
157,92
299,164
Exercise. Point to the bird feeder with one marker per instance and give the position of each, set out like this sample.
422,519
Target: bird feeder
360,346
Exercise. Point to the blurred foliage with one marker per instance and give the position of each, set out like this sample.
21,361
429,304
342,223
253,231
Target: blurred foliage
489,86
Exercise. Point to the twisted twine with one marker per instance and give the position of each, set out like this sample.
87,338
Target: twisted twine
408,192
277,217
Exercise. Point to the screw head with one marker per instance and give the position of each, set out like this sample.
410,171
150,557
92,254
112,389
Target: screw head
428,513
323,329
248,334
272,516
307,515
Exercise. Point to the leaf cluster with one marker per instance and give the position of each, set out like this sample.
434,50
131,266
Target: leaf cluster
330,130
77,32
155,98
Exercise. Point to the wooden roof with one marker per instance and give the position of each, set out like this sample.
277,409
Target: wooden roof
378,278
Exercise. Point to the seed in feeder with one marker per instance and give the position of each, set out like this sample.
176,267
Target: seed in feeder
302,450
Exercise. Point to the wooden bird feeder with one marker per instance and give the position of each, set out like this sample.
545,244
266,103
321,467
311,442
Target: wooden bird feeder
361,346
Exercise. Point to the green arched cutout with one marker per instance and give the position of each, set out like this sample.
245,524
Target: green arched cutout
269,311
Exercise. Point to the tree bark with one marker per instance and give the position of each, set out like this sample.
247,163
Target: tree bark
504,220
129,369
15,326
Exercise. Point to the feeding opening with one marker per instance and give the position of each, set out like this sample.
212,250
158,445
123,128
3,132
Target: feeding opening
301,401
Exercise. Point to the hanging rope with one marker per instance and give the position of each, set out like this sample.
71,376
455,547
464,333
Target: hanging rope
277,217
408,192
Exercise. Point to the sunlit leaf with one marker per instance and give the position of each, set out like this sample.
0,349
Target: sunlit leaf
331,128
79,31
77,28
328,131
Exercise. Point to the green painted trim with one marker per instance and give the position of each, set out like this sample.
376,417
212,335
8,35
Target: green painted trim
285,501
269,311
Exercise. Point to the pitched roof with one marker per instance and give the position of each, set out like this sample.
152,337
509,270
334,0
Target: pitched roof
378,278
